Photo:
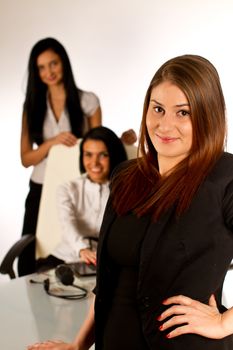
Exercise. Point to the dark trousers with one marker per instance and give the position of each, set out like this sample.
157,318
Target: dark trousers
26,261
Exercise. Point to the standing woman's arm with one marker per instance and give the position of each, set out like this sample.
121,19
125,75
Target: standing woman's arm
30,156
95,119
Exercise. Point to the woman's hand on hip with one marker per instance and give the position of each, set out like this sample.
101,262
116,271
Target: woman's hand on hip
192,316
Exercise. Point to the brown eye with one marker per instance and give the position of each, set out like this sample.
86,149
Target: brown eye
40,69
184,113
158,109
54,63
103,155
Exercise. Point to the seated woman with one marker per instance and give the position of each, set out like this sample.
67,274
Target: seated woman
81,202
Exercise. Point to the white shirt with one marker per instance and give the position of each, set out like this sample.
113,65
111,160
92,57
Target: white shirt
51,128
81,205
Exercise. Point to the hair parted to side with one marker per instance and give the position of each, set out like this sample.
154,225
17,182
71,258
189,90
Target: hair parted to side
143,190
116,150
35,101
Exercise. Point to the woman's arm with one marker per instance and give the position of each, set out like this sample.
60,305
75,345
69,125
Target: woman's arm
191,316
30,156
69,198
83,341
86,335
95,119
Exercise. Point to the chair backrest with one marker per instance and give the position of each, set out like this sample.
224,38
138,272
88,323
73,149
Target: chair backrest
62,165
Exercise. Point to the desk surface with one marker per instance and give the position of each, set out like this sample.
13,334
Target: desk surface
28,314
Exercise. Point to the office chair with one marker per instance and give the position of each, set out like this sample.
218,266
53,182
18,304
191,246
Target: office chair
62,165
6,267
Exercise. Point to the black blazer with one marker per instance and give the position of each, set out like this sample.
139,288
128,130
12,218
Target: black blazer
188,256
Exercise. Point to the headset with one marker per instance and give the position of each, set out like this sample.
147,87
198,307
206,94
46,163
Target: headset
65,275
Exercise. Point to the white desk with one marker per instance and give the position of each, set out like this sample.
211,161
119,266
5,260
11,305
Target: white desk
28,314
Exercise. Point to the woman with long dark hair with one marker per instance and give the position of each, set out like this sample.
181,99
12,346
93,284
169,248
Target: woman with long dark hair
55,111
173,209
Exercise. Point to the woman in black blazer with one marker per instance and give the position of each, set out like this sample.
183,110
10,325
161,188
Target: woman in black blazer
166,239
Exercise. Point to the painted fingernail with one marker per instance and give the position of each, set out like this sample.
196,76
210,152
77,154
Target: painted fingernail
161,328
168,335
159,317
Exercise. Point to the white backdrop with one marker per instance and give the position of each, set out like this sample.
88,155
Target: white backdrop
115,48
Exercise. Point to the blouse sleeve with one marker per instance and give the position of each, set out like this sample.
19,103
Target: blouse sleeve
89,103
71,235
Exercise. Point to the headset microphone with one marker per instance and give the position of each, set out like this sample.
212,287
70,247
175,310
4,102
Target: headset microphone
64,274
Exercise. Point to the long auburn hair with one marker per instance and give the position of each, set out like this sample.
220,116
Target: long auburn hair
35,106
140,187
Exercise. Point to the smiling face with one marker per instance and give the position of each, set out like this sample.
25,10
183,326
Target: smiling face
169,124
50,68
96,160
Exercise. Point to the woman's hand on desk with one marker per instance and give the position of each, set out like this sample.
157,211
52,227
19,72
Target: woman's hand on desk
191,316
53,345
88,256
